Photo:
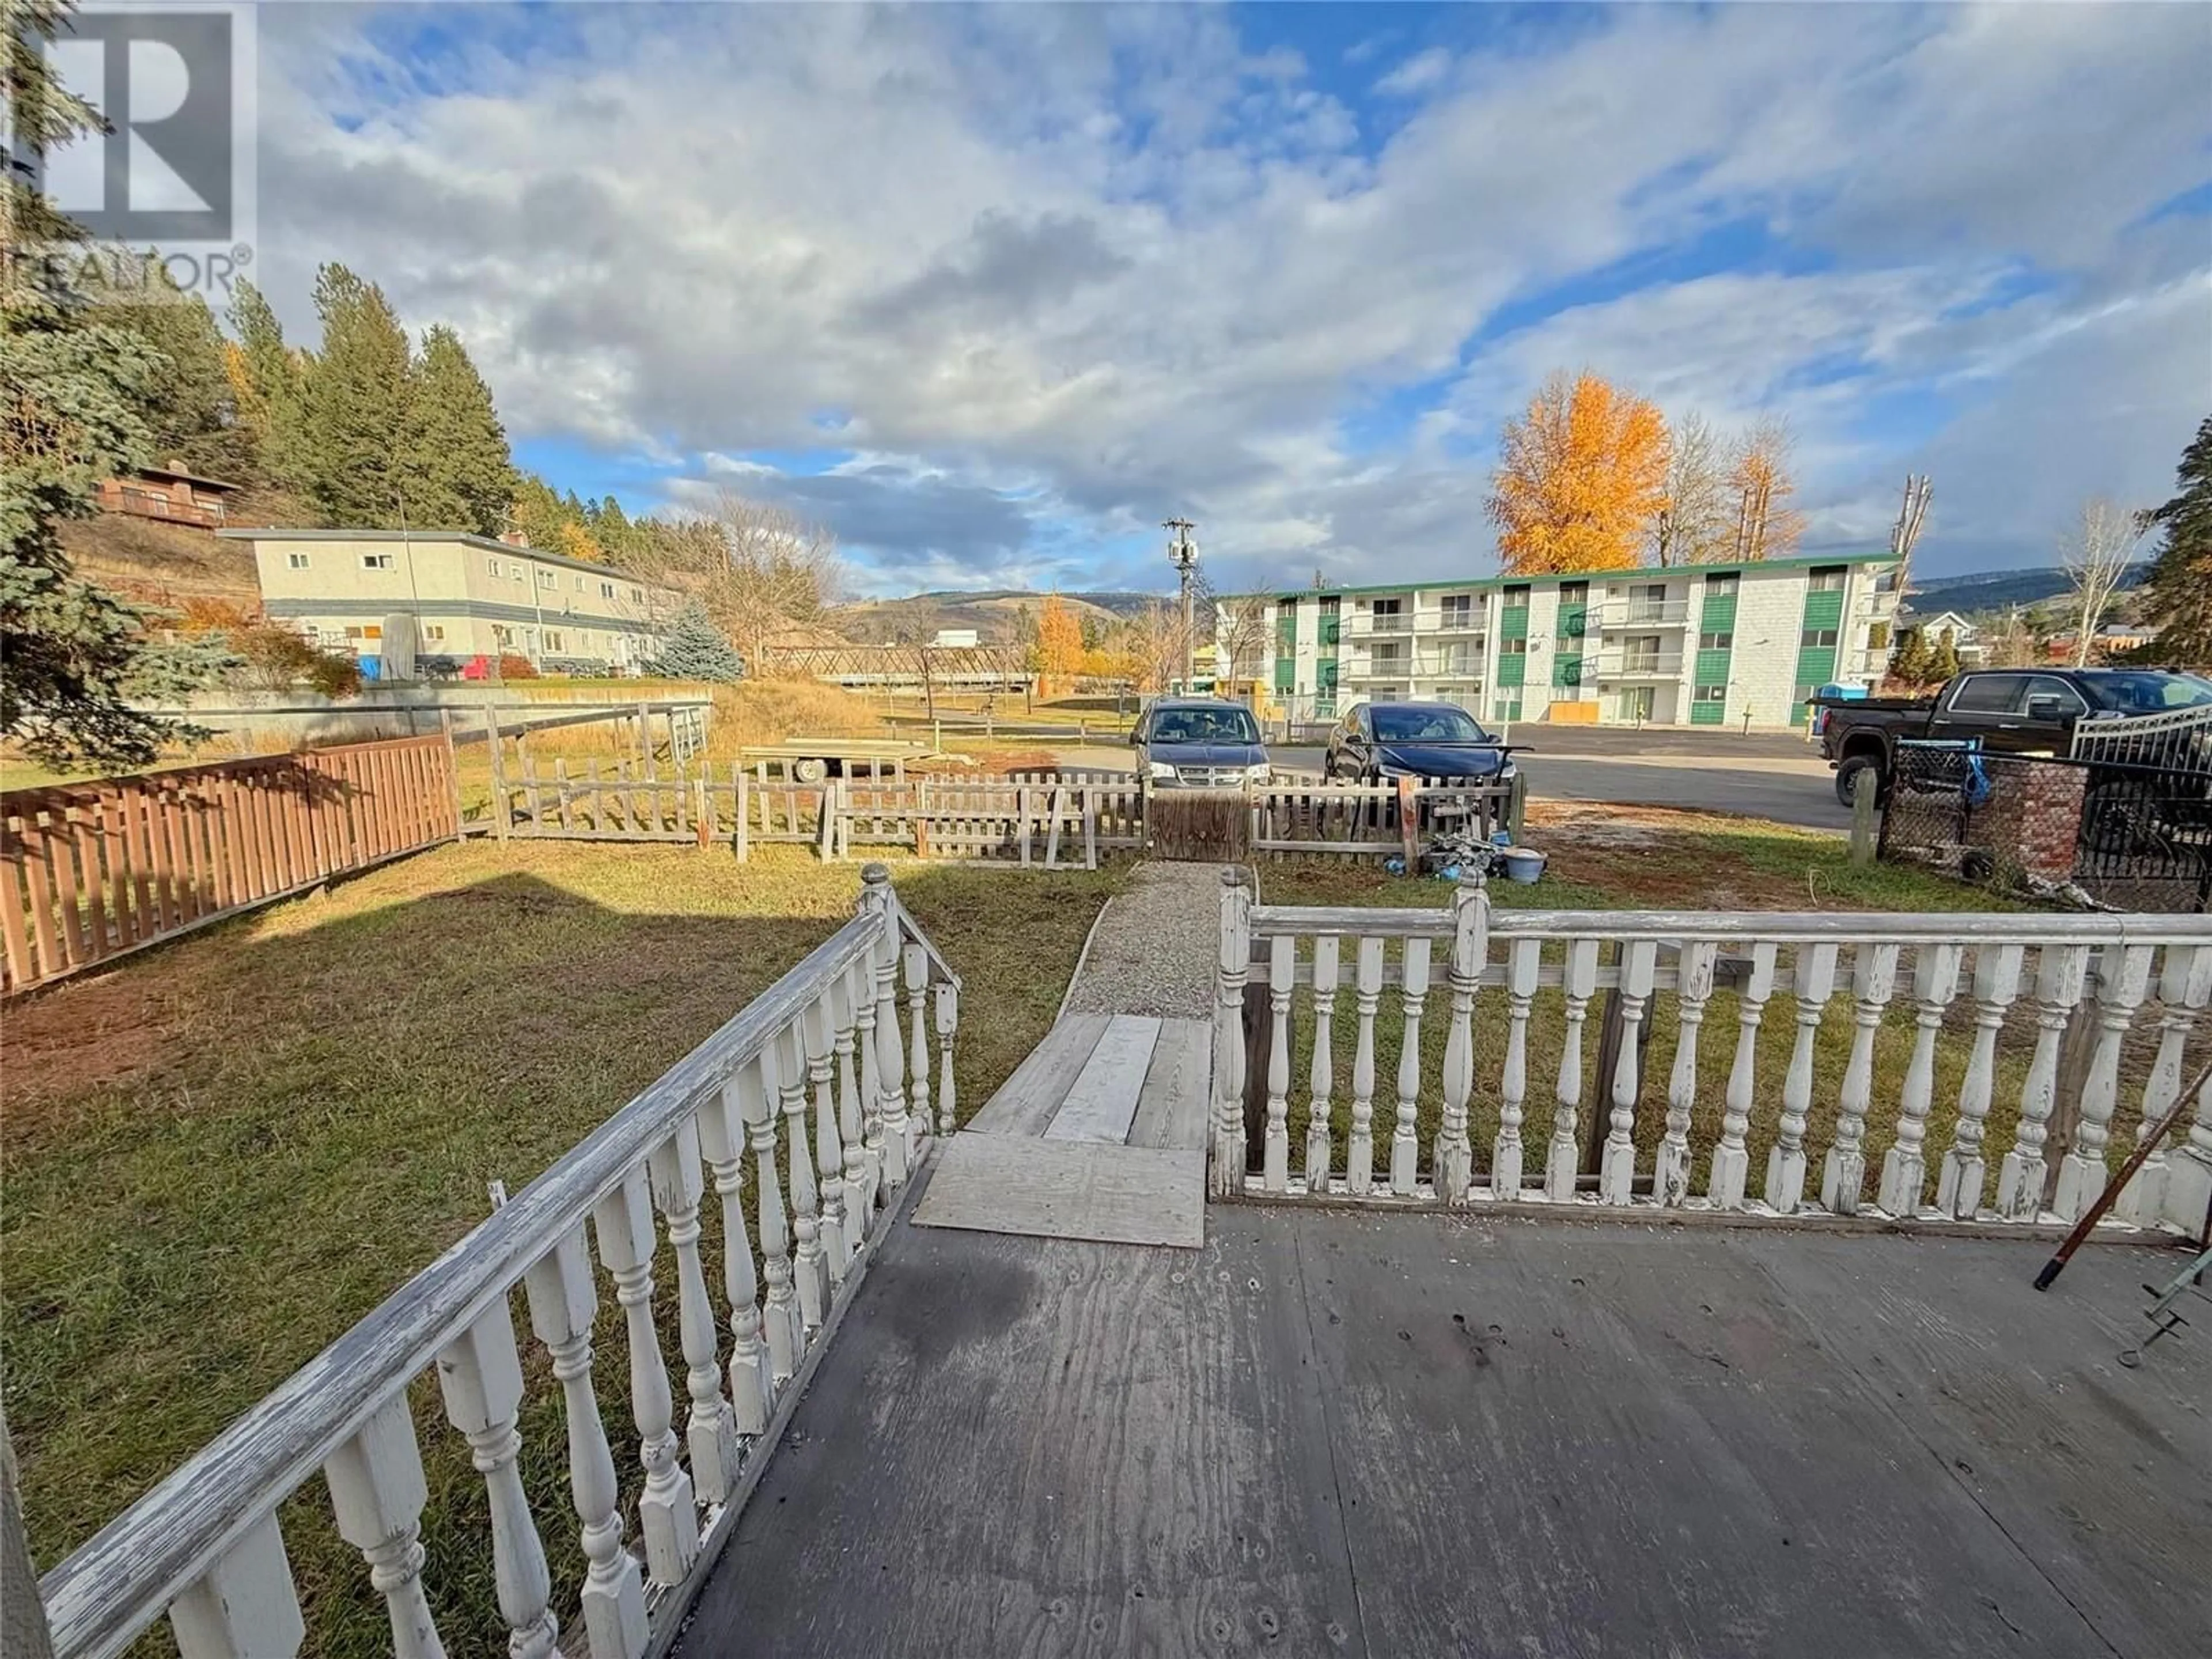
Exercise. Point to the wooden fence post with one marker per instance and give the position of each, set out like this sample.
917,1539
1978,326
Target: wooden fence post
452,771
1409,829
1862,816
23,1632
1517,805
499,802
744,813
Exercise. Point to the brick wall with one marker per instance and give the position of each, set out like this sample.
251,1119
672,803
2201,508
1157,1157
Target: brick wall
2032,819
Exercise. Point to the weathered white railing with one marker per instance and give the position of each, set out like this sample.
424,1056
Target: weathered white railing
815,1078
1960,976
2173,739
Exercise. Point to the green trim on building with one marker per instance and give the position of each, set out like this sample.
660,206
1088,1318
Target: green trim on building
1286,673
1647,573
1512,668
1711,668
1708,714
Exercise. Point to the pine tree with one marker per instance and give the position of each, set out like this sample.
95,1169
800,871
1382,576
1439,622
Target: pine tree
696,649
190,407
1943,660
68,648
458,474
268,387
1909,663
2177,592
355,430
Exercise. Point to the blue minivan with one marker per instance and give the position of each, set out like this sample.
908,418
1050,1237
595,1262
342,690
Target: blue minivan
1198,743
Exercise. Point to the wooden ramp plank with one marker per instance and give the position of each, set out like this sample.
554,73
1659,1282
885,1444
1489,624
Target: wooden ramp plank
1104,1096
1171,1110
1026,1101
996,1183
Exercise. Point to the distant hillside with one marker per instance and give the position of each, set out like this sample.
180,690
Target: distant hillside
994,613
1996,590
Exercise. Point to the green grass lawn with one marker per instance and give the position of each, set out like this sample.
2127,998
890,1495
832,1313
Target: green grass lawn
220,1155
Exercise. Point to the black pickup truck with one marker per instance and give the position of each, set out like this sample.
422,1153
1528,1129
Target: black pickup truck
2016,711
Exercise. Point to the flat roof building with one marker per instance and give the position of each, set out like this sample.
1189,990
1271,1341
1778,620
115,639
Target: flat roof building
430,601
1685,645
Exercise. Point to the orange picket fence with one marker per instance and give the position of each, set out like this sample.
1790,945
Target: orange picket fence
90,872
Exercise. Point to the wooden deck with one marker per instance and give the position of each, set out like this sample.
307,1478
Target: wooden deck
1099,1134
1395,1435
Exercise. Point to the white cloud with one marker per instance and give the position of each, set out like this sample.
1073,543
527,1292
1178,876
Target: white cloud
1076,267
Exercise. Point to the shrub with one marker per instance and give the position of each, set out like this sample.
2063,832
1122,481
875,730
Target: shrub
513,667
334,674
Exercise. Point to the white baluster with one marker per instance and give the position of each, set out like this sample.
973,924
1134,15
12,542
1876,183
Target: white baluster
2184,985
243,1606
917,1064
1693,977
1359,1150
1731,1166
756,1104
1812,983
1616,1181
861,1103
1226,1172
1959,1181
1322,1077
710,1431
378,1491
480,1375
1874,977
2189,1171
623,1225
852,1112
948,1025
1904,1172
1524,961
1455,1155
1405,1136
722,1143
563,1306
2060,973
1563,1162
890,1063
809,1267
1282,972
828,1150
2122,979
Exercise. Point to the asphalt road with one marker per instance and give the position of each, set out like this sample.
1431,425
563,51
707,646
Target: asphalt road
1761,774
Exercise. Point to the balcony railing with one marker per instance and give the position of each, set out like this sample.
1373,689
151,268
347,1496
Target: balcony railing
1639,666
204,1545
1470,621
1400,624
1981,1154
1638,613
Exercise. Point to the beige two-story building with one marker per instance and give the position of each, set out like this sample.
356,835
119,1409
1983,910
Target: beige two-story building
428,602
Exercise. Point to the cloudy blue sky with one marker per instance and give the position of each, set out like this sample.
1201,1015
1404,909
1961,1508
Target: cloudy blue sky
992,291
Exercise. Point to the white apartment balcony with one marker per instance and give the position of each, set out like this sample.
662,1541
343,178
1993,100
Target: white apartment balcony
1640,665
1619,614
1402,622
1452,621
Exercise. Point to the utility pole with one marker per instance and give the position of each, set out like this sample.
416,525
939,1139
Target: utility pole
1182,554
1912,513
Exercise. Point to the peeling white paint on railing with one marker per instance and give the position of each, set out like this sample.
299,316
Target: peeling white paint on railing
204,1546
2105,968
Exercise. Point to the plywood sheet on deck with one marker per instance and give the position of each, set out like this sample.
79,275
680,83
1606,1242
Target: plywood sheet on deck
1026,1101
1171,1109
1067,1189
1102,1099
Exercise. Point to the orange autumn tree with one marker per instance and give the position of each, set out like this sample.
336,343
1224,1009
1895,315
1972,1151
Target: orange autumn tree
1578,478
1767,526
1059,644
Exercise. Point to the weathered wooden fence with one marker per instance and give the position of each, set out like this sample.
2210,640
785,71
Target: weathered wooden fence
90,872
1048,820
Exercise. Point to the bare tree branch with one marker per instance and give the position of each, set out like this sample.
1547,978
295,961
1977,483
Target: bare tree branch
2095,554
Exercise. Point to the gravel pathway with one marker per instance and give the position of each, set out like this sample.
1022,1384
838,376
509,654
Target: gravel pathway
1156,946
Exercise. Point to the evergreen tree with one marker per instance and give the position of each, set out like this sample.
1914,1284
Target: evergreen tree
2177,592
537,513
267,388
68,648
1909,662
1943,660
458,474
696,649
190,409
354,429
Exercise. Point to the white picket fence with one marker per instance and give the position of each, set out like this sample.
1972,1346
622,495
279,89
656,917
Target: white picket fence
1955,973
204,1547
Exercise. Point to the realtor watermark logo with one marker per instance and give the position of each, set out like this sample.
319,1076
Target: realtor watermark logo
169,187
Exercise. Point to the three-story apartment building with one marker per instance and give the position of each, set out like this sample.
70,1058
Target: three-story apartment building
426,601
1698,645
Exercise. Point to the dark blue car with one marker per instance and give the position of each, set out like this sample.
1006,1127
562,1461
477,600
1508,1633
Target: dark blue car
1200,742
1379,740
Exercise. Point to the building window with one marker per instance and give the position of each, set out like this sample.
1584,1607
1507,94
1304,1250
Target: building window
1459,610
1574,593
297,561
1711,694
373,631
546,579
636,596
518,571
434,633
1716,642
352,633
1513,647
1721,588
492,565
1817,638
606,590
1828,578
1386,607
376,561
579,584
554,640
1516,598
